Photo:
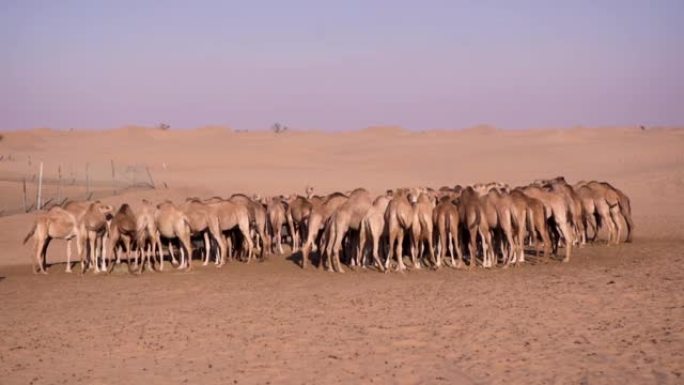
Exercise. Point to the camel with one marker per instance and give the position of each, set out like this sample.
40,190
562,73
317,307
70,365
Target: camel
373,227
447,221
558,208
55,223
147,236
297,214
232,215
203,220
497,210
346,217
423,227
276,210
471,216
257,220
171,223
574,203
620,206
399,218
536,220
93,220
321,210
122,230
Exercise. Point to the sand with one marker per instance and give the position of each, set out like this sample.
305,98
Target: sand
612,315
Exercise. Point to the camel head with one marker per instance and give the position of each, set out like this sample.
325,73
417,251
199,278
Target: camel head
413,195
103,209
309,190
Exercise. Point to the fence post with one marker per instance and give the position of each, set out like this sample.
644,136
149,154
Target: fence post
149,174
40,186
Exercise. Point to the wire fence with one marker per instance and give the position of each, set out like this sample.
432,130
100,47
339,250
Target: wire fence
27,185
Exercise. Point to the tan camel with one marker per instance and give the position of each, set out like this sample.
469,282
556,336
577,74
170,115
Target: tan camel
447,221
497,211
276,209
373,229
93,220
557,206
257,220
399,219
297,214
147,237
171,223
536,222
619,206
471,215
346,217
321,210
55,223
422,229
203,221
122,230
232,216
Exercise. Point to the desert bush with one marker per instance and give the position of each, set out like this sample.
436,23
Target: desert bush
164,126
279,128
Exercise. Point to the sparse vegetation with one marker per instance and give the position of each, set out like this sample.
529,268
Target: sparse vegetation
2,137
279,128
164,126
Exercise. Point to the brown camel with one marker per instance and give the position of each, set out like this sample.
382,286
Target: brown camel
619,206
536,219
55,223
321,210
422,228
346,217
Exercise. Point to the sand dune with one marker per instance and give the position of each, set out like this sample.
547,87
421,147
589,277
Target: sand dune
614,314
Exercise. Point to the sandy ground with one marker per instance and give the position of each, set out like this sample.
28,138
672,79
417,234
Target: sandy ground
612,315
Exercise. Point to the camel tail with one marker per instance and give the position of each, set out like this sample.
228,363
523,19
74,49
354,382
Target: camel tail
30,234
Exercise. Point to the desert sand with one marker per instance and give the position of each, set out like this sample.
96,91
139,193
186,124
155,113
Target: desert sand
614,314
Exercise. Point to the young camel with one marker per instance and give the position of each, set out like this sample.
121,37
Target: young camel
277,213
55,223
321,210
373,228
347,217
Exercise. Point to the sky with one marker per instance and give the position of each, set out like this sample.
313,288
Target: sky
341,65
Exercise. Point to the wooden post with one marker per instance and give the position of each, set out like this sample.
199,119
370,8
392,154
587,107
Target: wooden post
40,186
25,199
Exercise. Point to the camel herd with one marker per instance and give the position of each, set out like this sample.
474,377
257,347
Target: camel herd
483,224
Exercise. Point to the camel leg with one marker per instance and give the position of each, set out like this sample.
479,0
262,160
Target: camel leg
457,246
567,234
472,247
615,217
104,253
68,253
39,248
400,250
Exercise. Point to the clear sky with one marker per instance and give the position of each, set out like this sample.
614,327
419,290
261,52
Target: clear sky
341,65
